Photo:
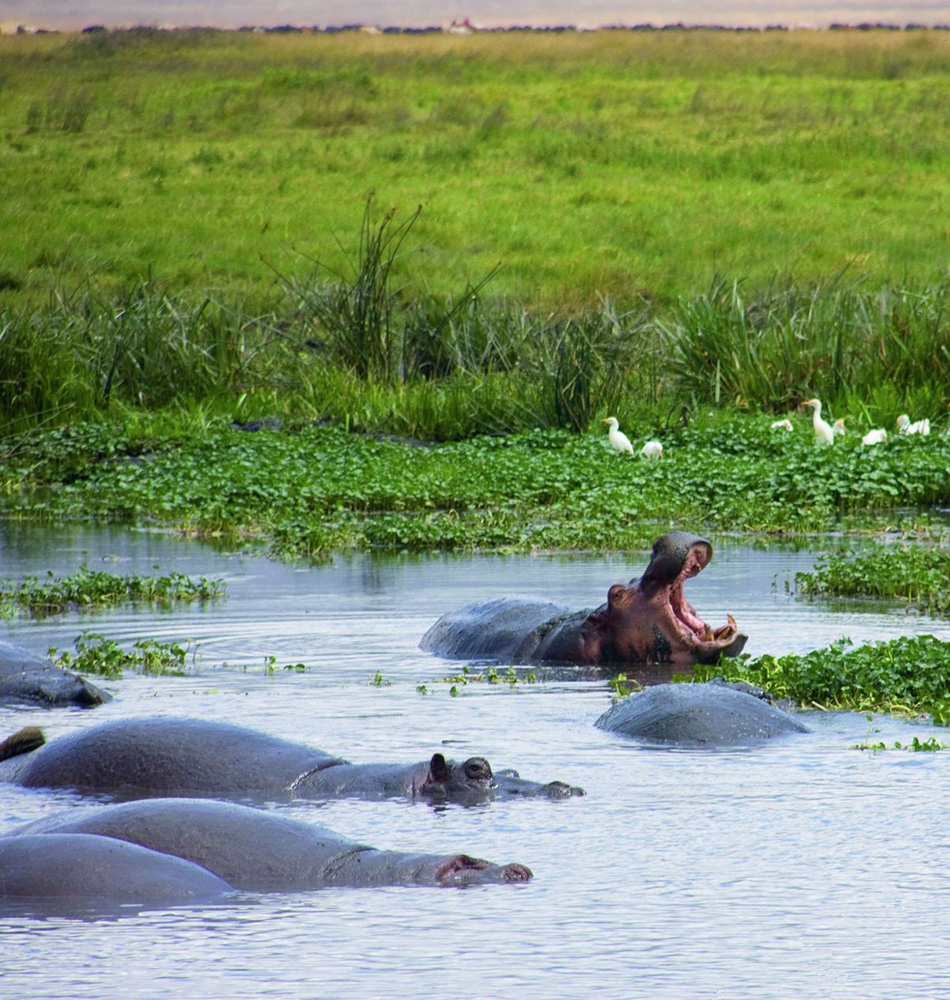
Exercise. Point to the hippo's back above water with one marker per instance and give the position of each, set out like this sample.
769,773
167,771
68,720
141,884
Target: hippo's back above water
493,629
31,680
164,756
697,715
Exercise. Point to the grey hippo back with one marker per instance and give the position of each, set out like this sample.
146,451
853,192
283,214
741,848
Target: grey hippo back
166,756
697,715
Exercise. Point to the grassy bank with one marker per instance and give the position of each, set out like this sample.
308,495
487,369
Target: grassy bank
357,351
189,228
613,163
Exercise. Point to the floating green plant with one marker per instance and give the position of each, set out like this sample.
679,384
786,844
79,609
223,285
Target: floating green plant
916,745
909,675
91,589
490,675
317,490
911,573
95,654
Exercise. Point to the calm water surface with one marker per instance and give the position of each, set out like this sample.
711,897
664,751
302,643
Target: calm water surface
802,868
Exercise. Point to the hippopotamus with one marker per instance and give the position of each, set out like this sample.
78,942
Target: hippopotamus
711,714
82,869
262,851
27,678
646,621
144,758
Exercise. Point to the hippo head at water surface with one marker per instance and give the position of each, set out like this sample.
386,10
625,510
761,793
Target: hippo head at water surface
651,620
473,781
161,756
648,620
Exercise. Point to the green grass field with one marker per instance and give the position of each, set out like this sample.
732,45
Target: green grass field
612,163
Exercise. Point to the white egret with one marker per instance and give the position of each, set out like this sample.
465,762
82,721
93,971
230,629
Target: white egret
652,449
823,432
618,440
786,423
877,436
904,425
838,427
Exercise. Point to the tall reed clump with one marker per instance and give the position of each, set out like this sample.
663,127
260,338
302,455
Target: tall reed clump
496,367
835,340
83,353
369,349
493,369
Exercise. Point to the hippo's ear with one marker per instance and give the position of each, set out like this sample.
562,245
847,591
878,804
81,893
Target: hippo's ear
439,770
26,740
615,594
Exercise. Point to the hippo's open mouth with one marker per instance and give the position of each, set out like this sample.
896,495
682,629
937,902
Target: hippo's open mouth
691,626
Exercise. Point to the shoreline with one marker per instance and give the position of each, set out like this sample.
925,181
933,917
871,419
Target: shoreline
464,27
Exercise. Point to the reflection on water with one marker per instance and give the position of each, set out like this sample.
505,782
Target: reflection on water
802,868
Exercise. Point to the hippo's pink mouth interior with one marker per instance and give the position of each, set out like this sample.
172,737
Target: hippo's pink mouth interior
697,558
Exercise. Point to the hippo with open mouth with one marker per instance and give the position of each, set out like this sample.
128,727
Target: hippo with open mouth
647,621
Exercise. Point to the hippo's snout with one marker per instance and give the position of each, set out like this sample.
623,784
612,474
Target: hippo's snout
561,790
733,649
517,873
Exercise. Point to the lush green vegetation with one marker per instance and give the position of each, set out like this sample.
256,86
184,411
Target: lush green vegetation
920,576
95,654
321,489
91,589
606,163
355,353
903,675
183,228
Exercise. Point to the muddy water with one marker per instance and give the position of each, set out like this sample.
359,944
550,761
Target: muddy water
803,868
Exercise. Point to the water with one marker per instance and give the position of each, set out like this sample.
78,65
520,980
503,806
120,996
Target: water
802,868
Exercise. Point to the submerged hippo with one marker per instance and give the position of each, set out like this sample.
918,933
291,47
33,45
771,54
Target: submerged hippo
647,621
28,679
712,714
141,758
262,851
82,868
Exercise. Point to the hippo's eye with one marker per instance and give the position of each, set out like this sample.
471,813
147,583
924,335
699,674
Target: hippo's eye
477,769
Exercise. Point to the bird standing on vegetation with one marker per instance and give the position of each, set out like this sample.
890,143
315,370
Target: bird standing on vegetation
904,426
823,432
652,449
877,436
838,427
786,423
618,440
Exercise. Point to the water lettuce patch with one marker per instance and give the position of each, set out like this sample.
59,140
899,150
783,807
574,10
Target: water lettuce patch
91,589
918,576
320,489
909,674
